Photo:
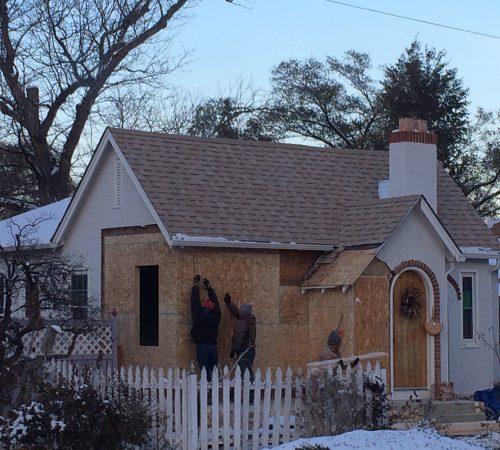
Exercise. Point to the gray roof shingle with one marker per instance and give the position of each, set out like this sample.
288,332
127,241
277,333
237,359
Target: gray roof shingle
269,192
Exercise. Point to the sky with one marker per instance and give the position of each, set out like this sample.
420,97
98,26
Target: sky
230,42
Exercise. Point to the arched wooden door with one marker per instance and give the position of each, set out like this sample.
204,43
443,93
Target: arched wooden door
409,336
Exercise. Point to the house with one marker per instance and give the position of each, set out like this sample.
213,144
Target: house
383,241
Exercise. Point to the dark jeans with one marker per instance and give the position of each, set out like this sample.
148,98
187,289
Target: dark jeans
246,362
207,357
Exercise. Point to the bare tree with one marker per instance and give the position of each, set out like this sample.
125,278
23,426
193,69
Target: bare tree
35,287
57,58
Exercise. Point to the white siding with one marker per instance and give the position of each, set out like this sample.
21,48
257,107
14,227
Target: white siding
472,366
97,212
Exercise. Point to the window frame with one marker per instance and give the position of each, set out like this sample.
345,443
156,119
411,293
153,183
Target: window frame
78,308
472,274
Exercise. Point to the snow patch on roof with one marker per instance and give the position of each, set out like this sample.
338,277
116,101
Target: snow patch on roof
43,222
180,237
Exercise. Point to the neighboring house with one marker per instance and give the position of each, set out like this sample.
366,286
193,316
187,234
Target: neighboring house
384,241
29,232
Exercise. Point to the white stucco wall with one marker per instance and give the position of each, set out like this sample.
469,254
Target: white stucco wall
472,365
96,212
416,239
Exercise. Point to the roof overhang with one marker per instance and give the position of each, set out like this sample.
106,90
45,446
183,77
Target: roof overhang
479,253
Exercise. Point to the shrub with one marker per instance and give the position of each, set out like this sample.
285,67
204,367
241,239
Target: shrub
78,419
334,405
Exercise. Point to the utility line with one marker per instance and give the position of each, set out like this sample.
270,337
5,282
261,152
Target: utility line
492,36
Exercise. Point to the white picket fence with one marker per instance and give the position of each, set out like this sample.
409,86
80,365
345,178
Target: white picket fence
190,412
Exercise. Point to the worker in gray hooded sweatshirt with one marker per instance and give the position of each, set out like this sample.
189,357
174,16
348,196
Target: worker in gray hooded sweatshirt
244,333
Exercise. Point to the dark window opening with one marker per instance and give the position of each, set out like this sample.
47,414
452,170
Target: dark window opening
148,305
3,293
79,295
467,307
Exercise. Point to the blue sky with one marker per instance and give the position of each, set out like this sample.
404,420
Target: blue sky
230,42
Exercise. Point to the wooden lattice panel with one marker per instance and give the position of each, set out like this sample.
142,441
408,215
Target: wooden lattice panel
49,342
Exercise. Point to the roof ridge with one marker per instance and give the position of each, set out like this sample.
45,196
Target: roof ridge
246,142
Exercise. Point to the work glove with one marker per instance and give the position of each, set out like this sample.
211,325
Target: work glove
206,283
196,280
227,298
231,355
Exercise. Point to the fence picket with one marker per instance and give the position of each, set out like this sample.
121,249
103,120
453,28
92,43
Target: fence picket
170,400
288,402
267,409
298,405
256,411
192,410
184,403
237,409
203,410
215,409
226,406
162,403
277,409
178,411
154,393
246,407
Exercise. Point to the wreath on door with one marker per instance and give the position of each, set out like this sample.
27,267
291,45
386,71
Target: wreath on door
410,304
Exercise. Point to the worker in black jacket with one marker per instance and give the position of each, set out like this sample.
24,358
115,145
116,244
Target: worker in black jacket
205,313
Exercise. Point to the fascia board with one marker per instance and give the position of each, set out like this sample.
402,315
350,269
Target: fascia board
141,191
441,231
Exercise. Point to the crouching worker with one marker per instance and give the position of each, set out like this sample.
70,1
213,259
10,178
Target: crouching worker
205,313
244,333
332,348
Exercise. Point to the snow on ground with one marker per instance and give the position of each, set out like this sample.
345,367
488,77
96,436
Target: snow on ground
46,218
490,441
414,439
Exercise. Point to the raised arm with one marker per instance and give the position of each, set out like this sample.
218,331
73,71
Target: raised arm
233,309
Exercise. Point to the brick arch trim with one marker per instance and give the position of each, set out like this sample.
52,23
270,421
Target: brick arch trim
455,285
412,264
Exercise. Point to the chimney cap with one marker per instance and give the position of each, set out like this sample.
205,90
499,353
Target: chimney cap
412,130
410,124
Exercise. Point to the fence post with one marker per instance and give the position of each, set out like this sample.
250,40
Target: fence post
192,414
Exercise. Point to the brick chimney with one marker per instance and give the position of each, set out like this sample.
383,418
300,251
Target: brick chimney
413,161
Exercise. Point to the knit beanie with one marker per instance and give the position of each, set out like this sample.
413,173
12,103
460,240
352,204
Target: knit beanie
209,304
245,309
334,339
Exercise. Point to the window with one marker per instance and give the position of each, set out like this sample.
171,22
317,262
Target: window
148,305
468,299
3,294
79,295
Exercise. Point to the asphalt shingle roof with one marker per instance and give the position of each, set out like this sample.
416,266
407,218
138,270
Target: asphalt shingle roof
269,192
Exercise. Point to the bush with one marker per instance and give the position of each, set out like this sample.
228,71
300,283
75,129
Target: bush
335,406
63,417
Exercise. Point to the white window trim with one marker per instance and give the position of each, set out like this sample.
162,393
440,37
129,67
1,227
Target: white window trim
118,184
469,343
